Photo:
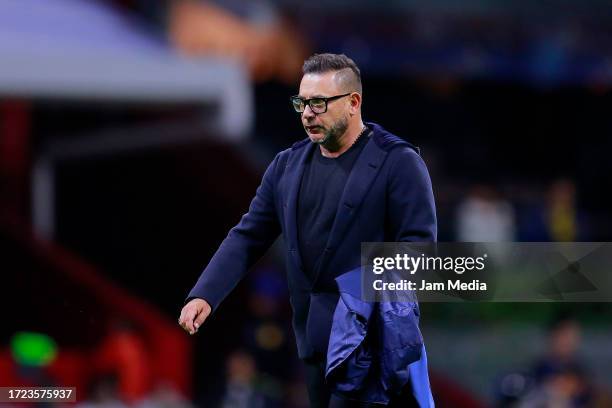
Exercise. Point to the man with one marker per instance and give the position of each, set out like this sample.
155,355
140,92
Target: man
347,183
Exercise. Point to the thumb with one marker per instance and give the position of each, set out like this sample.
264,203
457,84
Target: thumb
201,316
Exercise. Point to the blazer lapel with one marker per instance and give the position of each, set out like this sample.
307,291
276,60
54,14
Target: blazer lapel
295,171
362,175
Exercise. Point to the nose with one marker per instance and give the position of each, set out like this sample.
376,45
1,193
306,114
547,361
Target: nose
308,113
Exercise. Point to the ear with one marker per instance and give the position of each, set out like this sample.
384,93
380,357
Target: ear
354,103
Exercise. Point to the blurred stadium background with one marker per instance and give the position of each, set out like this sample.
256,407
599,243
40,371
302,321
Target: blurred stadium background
133,134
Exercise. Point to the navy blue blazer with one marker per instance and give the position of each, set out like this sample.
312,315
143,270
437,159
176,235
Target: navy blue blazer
387,197
375,348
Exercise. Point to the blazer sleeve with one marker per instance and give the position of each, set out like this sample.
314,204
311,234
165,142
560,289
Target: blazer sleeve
411,206
244,245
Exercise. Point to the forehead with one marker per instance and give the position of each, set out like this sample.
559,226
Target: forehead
318,85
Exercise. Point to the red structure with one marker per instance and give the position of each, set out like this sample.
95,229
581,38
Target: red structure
100,328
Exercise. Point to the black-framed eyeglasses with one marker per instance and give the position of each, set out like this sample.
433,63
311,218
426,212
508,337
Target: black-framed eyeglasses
317,105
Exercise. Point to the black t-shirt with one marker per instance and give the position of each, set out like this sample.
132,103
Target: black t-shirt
320,192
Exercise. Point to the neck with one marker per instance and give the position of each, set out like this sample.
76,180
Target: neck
343,143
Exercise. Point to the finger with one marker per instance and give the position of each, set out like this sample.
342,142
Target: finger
200,318
183,317
188,320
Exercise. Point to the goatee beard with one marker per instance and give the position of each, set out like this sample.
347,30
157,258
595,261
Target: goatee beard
332,136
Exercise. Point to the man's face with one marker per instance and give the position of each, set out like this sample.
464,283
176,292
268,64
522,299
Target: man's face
325,127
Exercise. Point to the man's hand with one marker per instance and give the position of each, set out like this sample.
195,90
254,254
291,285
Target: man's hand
193,315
